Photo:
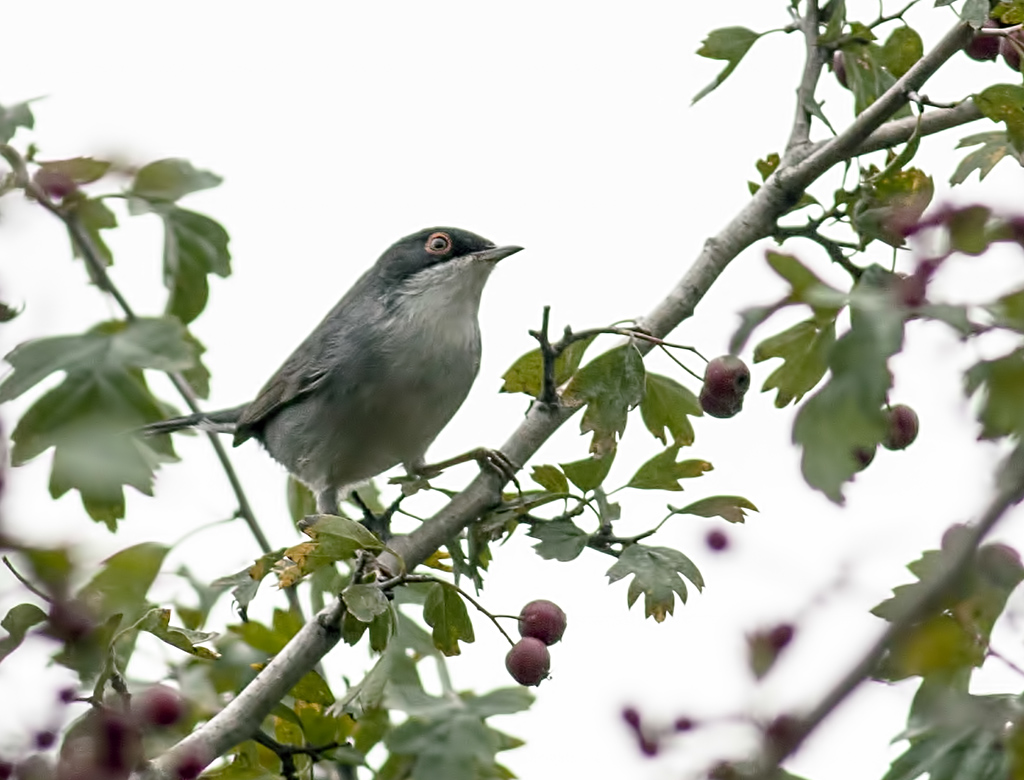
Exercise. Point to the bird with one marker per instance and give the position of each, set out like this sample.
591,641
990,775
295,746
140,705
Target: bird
381,375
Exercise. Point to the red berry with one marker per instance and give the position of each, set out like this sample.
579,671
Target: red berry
159,706
632,716
984,47
903,427
118,742
54,183
67,695
69,620
863,457
1010,47
528,661
726,381
683,724
839,68
190,766
543,620
46,740
717,540
6,770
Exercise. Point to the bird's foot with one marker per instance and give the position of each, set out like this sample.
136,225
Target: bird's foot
378,524
495,460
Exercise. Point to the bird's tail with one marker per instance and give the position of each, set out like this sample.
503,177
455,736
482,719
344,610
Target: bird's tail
221,421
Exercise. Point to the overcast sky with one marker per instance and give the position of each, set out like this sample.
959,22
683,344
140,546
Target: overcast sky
565,128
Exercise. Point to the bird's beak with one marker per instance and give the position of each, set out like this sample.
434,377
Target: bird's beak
497,253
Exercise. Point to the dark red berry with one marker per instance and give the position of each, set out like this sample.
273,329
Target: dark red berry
69,620
839,68
528,661
632,716
984,47
903,427
67,695
543,620
159,706
780,636
783,733
118,742
1010,46
6,770
683,724
726,381
55,184
190,766
717,540
863,457
45,740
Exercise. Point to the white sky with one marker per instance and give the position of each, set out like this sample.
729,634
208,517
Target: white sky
565,128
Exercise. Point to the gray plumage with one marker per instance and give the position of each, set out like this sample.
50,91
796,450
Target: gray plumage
378,379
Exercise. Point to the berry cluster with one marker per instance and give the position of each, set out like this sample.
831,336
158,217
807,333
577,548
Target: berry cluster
541,623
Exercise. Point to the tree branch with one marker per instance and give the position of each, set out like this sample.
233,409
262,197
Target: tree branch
900,130
777,747
813,62
239,719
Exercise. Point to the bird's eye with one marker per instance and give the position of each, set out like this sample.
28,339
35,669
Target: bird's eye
438,243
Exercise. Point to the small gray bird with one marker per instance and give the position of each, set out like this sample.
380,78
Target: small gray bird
378,379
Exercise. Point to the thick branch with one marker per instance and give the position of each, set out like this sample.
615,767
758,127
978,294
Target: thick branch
1008,493
755,221
900,130
813,62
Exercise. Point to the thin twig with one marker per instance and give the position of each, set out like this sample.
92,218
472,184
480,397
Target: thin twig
813,62
32,588
833,247
892,17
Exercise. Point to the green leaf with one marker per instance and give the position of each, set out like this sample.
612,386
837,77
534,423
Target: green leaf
260,637
560,540
901,50
954,635
503,701
165,181
865,71
730,508
81,170
1008,311
610,385
1005,103
804,348
194,246
246,582
312,688
457,747
444,611
666,405
891,204
994,147
121,585
382,628
16,623
662,472
550,478
87,416
729,44
157,622
588,473
975,12
334,539
1001,382
967,232
364,602
94,216
526,375
13,117
655,572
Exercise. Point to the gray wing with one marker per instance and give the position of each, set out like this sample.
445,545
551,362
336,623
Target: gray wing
332,343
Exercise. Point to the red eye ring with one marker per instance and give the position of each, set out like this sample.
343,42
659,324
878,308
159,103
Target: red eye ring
438,244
